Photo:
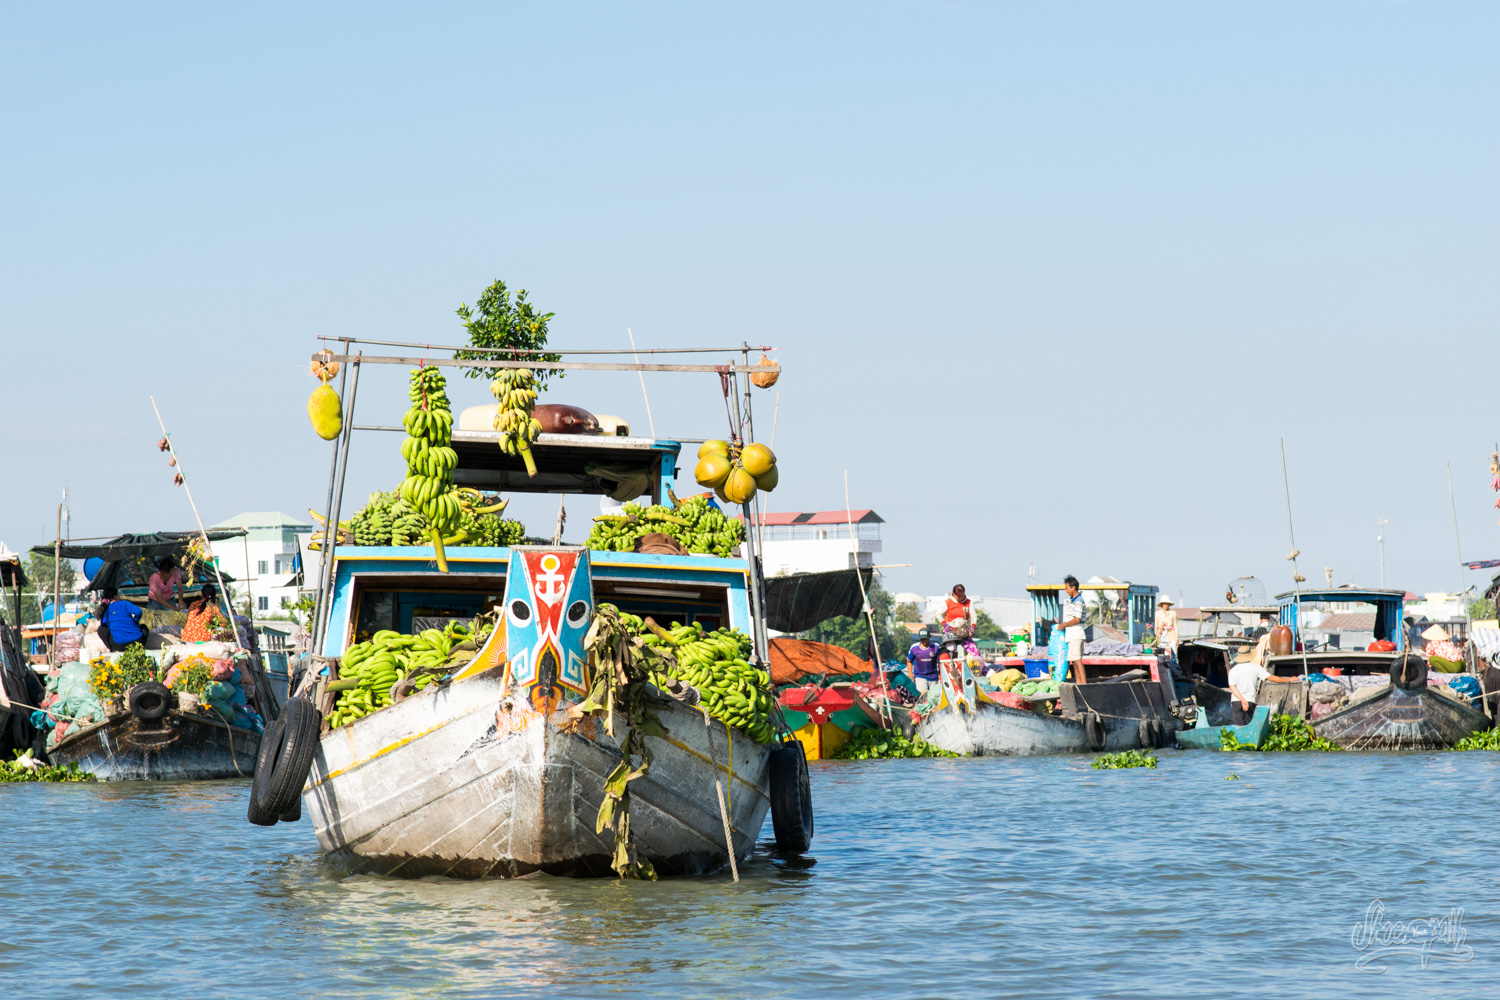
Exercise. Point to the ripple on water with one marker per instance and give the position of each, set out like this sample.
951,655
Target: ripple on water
929,878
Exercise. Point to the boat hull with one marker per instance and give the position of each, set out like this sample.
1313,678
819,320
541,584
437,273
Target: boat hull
1204,736
179,747
1401,719
444,784
1000,730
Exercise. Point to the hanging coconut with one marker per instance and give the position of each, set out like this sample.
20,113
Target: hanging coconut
765,380
740,486
712,470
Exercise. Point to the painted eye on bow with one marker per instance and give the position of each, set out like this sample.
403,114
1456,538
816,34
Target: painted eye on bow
578,612
520,612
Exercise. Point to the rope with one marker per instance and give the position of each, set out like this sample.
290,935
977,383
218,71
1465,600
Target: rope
734,867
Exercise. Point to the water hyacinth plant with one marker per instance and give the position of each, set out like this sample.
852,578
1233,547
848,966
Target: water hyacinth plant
1288,732
1125,758
878,744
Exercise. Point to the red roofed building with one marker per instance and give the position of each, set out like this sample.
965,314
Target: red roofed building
820,540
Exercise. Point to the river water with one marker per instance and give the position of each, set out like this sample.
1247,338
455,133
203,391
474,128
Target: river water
1030,877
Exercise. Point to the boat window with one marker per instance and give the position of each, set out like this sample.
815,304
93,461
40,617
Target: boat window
397,605
667,603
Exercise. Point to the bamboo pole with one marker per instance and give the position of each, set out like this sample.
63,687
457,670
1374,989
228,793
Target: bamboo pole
590,366
650,421
56,591
1296,575
264,701
885,705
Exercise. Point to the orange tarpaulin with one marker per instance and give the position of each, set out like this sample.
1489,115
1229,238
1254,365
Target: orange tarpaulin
793,659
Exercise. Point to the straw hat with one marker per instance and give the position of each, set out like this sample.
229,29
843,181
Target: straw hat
1436,634
1165,599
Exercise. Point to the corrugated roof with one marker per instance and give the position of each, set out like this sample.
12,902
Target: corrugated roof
864,516
262,519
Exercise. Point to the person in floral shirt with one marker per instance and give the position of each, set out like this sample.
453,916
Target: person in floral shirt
204,617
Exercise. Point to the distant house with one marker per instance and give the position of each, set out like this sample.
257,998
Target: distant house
269,558
818,541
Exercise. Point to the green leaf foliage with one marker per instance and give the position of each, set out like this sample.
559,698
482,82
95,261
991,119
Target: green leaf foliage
1487,740
1125,758
1288,732
498,321
879,744
24,768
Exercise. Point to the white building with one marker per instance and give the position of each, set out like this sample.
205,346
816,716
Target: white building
819,541
268,557
1010,613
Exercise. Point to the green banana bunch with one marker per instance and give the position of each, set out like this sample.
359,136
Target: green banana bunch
429,459
695,523
715,663
370,672
389,520
515,390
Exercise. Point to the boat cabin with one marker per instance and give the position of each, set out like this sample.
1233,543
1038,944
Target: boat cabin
400,588
1129,608
1383,610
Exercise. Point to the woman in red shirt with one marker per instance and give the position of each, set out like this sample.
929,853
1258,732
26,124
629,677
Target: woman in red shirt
958,620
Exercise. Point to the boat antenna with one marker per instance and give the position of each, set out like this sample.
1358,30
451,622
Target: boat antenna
1292,555
1463,581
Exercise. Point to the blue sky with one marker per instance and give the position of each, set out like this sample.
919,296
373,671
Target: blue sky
1050,279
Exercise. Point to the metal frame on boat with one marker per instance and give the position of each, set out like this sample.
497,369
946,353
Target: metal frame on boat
498,769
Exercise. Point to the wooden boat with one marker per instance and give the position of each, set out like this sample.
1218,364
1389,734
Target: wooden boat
440,784
967,721
823,719
1407,715
1208,737
158,742
500,768
180,746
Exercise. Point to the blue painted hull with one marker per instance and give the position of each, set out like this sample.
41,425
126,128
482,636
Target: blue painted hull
1206,737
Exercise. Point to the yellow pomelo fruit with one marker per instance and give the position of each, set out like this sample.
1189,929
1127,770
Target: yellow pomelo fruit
712,470
757,459
767,480
740,486
325,412
713,448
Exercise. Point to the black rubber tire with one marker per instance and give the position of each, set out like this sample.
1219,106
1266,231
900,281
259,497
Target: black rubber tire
1158,733
259,816
282,771
149,701
294,814
791,799
1093,730
270,739
1143,733
1409,672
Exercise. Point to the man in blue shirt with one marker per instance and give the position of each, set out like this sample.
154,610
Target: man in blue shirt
123,619
1070,612
922,658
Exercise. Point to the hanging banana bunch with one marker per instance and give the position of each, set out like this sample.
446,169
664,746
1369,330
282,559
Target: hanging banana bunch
428,485
515,391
